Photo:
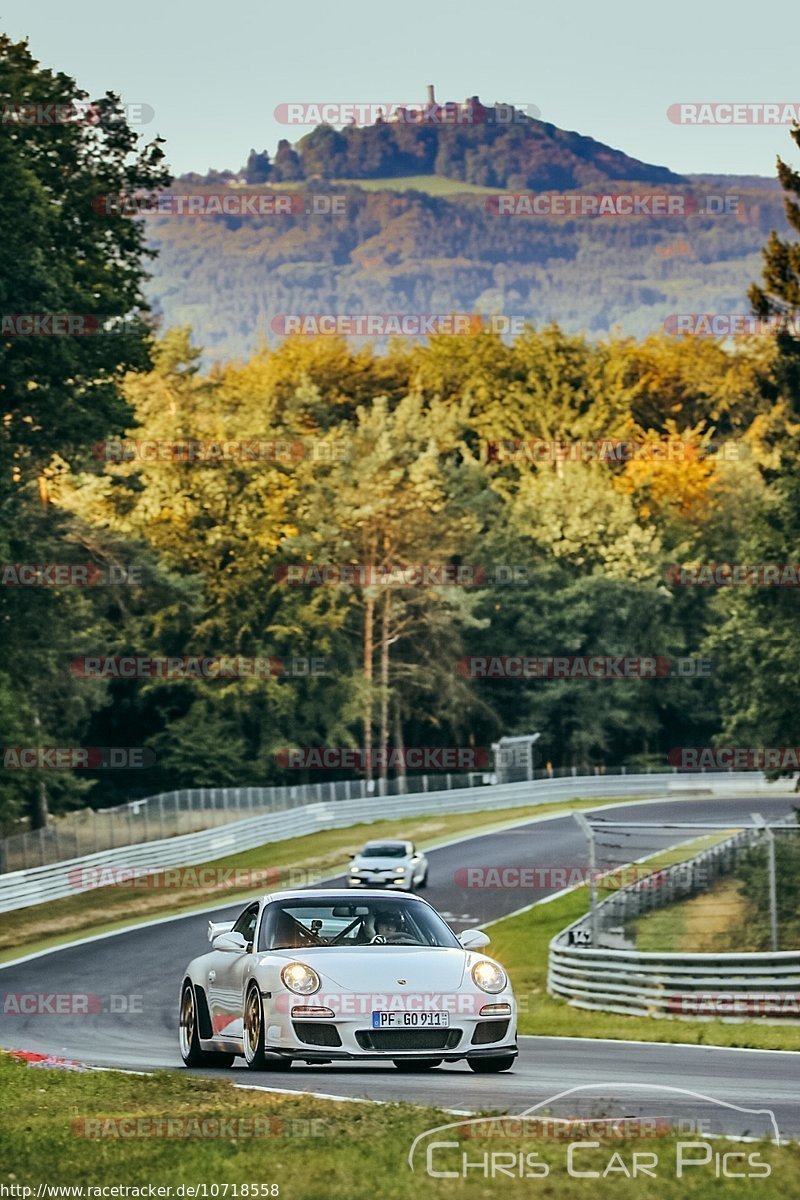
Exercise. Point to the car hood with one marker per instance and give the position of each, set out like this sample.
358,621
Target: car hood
374,863
379,968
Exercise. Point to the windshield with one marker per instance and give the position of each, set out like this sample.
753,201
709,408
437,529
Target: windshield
303,924
389,850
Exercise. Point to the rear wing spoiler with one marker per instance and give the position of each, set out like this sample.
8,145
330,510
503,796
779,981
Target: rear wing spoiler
217,927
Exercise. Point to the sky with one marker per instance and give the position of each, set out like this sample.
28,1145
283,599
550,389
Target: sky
214,73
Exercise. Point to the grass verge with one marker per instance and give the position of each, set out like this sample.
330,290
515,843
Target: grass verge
716,920
315,1149
521,943
103,910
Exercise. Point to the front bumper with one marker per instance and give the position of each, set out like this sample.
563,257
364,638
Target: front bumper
310,1056
321,1039
382,881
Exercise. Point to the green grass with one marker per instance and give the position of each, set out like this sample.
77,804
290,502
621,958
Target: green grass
714,920
432,185
103,910
317,1150
521,943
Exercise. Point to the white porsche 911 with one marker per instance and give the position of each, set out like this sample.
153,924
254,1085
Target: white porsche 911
320,976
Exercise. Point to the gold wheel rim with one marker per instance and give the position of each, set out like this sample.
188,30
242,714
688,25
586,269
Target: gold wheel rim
187,1021
253,1022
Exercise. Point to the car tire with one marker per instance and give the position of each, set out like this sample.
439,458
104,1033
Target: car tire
191,1051
419,1064
253,1034
492,1064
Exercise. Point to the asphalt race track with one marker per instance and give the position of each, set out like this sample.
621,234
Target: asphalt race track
144,967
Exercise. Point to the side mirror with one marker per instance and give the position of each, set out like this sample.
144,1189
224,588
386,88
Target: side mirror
473,939
215,928
230,941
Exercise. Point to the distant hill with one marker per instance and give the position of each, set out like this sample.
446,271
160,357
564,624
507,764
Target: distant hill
469,142
418,234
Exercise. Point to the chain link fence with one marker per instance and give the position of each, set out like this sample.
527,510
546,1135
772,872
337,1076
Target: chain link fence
171,814
594,964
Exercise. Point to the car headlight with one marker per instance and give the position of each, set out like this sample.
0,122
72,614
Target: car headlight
355,870
400,870
488,976
301,979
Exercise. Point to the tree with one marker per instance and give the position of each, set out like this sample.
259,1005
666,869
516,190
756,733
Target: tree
778,296
757,627
287,166
64,252
258,167
397,501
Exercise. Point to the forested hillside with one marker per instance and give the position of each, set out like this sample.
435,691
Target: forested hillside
394,459
230,277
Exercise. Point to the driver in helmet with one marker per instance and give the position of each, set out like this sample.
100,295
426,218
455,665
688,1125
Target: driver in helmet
388,926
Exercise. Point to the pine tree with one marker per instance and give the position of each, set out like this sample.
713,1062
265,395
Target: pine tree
779,295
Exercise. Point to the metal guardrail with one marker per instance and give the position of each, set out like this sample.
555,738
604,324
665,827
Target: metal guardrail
172,814
21,889
613,977
189,810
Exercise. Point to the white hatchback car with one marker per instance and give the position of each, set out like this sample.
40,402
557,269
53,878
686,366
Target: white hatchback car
388,863
325,976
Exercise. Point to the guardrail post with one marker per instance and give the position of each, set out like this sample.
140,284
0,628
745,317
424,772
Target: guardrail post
773,895
589,831
773,891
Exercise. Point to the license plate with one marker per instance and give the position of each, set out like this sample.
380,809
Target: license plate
410,1020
